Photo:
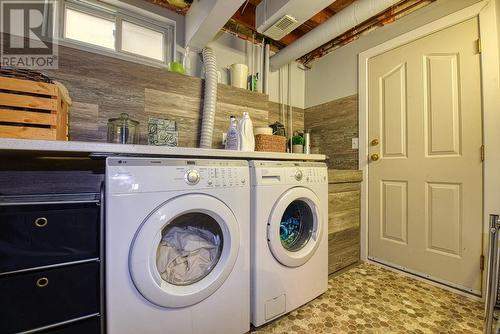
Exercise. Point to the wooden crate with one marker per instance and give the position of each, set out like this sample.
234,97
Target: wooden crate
32,110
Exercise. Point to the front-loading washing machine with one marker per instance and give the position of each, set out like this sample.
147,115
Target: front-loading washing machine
177,246
289,224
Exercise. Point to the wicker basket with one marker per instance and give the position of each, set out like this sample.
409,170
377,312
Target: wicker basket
270,143
32,110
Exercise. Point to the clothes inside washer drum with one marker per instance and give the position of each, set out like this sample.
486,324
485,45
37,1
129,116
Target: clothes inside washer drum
186,255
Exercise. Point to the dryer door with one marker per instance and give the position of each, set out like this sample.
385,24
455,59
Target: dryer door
184,250
294,227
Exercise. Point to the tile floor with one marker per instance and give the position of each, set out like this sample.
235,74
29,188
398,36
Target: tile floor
371,299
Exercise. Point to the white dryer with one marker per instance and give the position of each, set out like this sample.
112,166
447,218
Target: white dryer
177,246
289,260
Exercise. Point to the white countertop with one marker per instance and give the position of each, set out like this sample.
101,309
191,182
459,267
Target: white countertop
79,148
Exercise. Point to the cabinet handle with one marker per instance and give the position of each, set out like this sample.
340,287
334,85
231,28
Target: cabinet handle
41,222
42,282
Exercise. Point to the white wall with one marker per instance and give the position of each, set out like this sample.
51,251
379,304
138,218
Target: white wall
336,75
278,86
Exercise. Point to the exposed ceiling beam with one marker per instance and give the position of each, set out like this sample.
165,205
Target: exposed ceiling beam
165,4
206,18
246,17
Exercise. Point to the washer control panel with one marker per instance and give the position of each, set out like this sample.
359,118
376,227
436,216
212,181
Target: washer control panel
298,174
131,175
192,176
213,177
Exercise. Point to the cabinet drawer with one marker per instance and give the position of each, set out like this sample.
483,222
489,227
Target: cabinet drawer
87,326
39,235
42,298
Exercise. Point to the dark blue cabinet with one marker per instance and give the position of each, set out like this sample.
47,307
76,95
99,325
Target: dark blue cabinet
40,235
51,267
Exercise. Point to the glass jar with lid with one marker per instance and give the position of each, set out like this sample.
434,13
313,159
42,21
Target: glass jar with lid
122,130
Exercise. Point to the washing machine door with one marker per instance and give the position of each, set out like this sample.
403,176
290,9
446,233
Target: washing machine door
294,228
184,250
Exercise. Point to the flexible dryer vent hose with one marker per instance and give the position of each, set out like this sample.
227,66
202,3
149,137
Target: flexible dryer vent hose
210,98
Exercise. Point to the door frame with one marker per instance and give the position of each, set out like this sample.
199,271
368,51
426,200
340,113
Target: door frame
486,12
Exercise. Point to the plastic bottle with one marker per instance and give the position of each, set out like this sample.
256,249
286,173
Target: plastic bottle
247,140
233,135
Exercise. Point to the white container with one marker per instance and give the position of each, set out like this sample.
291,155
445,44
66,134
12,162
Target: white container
239,75
247,139
233,135
263,131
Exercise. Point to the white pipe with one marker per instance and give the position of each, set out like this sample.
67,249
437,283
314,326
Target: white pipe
282,98
210,98
252,65
262,60
338,24
265,82
290,108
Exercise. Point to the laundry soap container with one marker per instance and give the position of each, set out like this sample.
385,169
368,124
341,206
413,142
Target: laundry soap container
233,135
247,140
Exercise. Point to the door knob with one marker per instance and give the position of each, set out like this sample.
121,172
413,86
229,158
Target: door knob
374,157
374,142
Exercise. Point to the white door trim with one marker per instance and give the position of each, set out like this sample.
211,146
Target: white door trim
485,11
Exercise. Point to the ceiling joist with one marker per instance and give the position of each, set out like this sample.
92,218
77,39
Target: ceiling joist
238,17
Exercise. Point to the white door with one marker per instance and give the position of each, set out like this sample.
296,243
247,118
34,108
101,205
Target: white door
184,251
425,170
294,227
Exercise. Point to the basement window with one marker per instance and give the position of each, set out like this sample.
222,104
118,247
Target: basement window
90,29
143,41
108,30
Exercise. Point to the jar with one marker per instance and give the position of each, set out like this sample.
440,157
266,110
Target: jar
122,130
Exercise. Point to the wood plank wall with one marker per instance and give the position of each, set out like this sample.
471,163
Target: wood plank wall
103,87
275,115
333,126
343,218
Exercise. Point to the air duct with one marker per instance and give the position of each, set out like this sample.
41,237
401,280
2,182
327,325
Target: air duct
348,18
210,98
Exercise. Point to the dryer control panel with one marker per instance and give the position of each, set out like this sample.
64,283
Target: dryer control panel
133,175
291,173
307,175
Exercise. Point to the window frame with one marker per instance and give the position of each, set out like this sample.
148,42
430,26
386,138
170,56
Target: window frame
118,15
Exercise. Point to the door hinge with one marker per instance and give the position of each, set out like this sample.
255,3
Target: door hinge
479,47
482,152
481,262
